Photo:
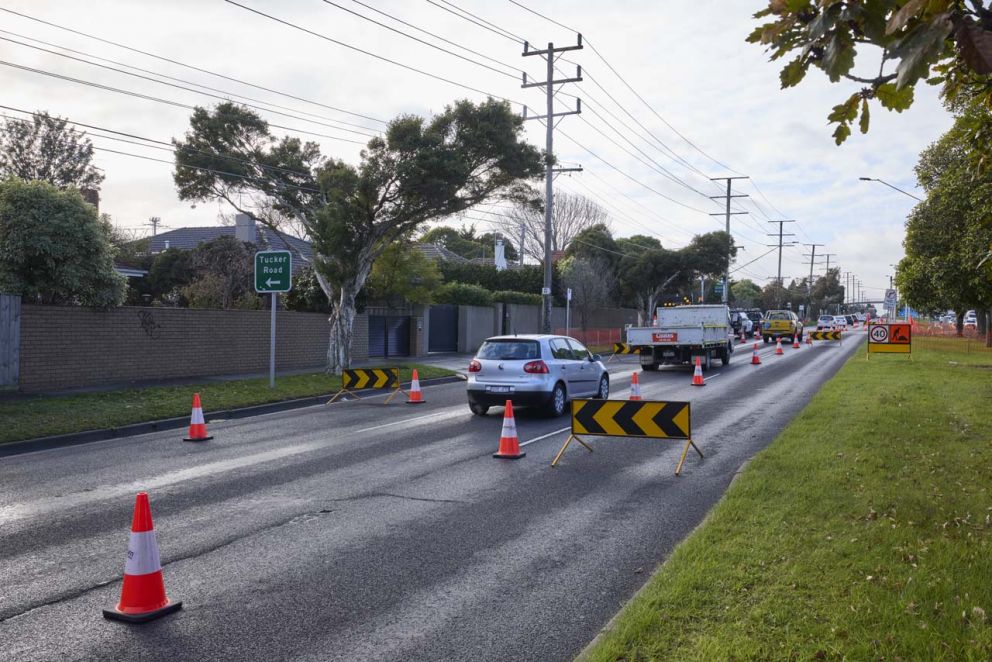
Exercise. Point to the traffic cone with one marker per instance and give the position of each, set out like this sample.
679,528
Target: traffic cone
809,339
755,359
743,336
778,347
757,334
197,428
795,342
415,397
509,445
635,388
143,595
697,375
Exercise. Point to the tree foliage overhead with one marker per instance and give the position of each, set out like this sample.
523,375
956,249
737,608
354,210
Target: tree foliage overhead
945,42
54,249
46,148
403,275
419,170
468,243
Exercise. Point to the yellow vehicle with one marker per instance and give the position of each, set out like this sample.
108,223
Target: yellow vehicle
781,324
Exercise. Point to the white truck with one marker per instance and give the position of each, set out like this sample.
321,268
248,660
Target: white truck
682,333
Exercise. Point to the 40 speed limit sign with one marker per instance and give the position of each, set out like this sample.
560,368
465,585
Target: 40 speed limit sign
890,339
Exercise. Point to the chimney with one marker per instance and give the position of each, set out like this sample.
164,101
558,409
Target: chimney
166,244
244,228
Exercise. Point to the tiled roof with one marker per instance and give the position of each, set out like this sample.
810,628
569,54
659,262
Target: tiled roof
439,253
266,239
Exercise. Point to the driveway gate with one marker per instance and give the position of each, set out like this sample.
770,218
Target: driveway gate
443,329
389,335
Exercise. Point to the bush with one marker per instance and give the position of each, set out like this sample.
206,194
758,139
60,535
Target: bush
463,294
510,296
529,278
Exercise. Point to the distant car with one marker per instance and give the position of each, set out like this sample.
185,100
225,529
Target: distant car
840,321
740,321
824,322
850,319
781,324
971,322
542,371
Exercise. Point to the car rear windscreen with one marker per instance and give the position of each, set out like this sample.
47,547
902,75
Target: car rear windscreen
510,350
778,316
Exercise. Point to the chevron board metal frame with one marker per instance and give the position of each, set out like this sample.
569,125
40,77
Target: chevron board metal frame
644,419
354,379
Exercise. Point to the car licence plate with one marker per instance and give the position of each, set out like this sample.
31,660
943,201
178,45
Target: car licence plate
668,355
499,389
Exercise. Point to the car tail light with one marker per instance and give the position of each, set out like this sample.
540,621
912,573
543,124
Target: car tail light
474,366
536,368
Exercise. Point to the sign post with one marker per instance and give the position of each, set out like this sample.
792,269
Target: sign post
568,312
273,274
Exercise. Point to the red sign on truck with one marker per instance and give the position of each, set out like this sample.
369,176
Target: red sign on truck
665,337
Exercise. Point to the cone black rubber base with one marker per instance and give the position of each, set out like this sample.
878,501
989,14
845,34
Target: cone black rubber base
114,615
509,457
200,439
421,402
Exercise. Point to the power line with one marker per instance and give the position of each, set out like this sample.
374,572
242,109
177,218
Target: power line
187,89
371,54
419,40
190,66
147,97
179,80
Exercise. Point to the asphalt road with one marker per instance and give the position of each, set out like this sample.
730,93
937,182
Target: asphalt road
368,532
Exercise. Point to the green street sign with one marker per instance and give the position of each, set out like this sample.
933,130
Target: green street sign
273,271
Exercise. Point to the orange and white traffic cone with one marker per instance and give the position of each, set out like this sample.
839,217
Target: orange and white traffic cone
757,334
509,444
778,347
755,359
415,397
143,595
197,427
809,339
635,388
697,375
795,342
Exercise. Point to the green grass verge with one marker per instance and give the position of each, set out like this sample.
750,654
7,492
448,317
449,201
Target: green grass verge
862,533
43,416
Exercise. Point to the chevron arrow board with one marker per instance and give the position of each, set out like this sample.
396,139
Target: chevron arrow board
623,348
376,378
824,335
628,418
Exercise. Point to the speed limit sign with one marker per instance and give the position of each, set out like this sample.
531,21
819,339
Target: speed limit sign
879,334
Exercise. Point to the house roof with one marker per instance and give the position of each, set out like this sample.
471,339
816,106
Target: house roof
265,239
439,253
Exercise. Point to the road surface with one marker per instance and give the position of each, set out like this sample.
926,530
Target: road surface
361,531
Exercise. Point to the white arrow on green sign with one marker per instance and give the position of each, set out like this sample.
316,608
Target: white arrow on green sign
273,271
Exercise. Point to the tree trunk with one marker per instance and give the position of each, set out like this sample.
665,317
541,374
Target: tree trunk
342,324
988,328
959,325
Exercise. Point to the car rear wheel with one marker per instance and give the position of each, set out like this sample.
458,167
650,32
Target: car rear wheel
556,406
604,388
477,409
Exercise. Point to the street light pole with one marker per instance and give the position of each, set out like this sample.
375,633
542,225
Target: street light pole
896,188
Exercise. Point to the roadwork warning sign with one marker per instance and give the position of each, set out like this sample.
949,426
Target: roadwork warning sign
649,419
890,339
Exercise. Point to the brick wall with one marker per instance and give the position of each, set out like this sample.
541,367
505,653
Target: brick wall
67,347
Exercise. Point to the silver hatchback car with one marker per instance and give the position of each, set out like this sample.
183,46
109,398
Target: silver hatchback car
534,371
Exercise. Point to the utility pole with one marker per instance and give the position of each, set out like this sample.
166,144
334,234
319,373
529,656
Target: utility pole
780,235
809,283
847,287
154,222
523,238
728,197
828,256
551,55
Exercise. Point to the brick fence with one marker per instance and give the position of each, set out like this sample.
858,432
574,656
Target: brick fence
67,347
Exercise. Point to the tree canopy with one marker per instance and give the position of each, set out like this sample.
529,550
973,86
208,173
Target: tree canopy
419,170
54,249
46,148
944,42
469,244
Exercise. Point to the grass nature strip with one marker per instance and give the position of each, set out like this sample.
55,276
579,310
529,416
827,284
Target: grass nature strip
43,416
864,532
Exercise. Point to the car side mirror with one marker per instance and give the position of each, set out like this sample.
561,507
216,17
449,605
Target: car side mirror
595,357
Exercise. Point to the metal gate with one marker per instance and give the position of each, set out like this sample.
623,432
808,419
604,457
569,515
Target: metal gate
389,335
10,339
443,329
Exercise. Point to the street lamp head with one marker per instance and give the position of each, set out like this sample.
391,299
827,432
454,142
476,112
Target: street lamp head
866,179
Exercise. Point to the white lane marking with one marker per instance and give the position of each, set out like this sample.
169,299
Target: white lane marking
545,436
714,376
16,511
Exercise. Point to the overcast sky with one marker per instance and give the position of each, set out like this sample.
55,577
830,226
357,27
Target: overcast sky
686,58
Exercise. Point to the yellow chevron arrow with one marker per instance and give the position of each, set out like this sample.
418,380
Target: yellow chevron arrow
604,417
362,378
681,420
643,419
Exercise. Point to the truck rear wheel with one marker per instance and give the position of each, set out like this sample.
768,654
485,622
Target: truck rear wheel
650,367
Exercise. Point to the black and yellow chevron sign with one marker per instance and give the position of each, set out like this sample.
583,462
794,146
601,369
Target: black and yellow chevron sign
824,335
624,348
359,378
631,418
